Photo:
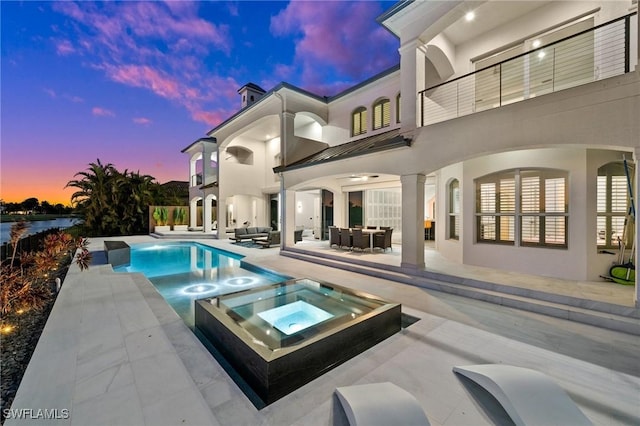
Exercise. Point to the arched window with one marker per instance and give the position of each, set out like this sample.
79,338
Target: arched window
398,108
612,204
359,121
529,206
381,113
454,210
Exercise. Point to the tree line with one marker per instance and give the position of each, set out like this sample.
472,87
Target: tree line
34,206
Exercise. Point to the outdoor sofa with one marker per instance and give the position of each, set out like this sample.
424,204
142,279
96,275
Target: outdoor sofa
249,233
273,239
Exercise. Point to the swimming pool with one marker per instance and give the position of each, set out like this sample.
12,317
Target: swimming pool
183,272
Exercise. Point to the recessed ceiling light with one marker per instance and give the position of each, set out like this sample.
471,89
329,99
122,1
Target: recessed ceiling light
536,43
470,16
541,54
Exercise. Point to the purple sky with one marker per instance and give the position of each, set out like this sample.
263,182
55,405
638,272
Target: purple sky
132,83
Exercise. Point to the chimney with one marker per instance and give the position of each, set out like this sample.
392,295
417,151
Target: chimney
250,93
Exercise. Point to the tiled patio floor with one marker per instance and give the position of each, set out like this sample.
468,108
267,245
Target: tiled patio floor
113,352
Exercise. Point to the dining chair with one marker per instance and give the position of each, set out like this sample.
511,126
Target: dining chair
345,237
383,241
334,236
359,240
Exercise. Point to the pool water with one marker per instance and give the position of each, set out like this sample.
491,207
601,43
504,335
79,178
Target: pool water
184,272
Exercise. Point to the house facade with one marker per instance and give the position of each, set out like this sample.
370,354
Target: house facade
510,129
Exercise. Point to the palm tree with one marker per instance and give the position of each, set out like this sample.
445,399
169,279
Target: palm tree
94,196
113,202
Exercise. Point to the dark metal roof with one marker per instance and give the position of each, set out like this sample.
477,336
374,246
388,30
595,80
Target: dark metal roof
381,142
252,86
207,140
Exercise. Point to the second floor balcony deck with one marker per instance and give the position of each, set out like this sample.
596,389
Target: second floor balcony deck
594,54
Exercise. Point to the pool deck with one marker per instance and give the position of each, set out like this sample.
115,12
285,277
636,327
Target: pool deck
113,352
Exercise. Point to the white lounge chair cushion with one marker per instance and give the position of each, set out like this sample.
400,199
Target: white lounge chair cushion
380,404
528,396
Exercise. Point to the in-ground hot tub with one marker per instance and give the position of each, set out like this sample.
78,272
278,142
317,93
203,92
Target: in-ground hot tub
281,336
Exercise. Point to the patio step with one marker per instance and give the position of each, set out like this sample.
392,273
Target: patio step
612,317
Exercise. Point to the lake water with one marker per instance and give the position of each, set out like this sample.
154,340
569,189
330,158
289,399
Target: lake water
35,227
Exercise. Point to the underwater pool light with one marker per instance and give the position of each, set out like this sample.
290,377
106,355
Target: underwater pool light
240,281
198,289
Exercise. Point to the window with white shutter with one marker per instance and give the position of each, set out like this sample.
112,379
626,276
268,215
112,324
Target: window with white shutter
535,200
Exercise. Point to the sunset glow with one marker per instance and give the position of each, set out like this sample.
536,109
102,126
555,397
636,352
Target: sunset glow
132,83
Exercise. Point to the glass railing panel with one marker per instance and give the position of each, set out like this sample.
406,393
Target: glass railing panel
487,88
592,55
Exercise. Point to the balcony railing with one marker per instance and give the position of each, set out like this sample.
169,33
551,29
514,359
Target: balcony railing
590,55
196,180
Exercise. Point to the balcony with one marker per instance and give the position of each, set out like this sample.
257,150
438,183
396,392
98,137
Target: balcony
590,55
196,180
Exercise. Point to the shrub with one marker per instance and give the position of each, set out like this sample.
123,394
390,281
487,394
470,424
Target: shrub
160,215
179,216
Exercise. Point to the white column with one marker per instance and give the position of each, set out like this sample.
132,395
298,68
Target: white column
411,82
637,30
288,217
193,213
287,140
222,217
340,209
413,221
206,217
636,236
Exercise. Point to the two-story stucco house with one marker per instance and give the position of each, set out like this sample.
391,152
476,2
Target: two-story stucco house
505,128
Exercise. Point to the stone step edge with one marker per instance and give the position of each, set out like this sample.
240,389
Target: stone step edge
606,320
604,307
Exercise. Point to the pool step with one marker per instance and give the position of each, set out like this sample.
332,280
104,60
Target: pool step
604,315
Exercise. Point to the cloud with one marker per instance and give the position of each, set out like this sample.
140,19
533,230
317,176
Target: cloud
211,118
145,77
72,98
50,92
142,121
64,47
339,39
156,46
102,112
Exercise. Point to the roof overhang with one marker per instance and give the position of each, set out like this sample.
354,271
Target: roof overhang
369,145
200,141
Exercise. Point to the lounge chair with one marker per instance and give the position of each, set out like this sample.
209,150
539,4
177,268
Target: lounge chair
528,396
380,404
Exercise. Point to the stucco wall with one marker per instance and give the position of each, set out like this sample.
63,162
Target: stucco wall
340,110
306,209
570,263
